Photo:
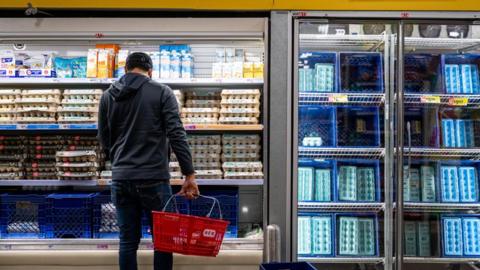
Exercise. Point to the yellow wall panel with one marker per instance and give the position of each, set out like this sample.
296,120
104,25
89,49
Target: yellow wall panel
419,5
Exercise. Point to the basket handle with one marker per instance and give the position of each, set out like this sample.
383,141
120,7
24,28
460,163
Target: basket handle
215,202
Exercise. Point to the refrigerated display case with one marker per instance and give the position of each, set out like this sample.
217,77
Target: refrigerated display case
54,176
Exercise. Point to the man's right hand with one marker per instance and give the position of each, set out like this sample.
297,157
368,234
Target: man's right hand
190,188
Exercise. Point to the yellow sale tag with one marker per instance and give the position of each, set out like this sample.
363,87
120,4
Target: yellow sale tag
430,99
458,101
335,98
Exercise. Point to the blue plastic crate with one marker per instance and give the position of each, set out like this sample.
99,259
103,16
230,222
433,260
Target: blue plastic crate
460,235
316,126
22,216
287,266
317,72
461,73
70,215
104,217
361,72
362,191
316,234
324,173
362,244
424,127
358,126
423,73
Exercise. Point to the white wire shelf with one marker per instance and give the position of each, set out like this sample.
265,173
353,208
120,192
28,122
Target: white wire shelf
356,260
341,42
452,100
110,244
437,260
412,43
341,207
441,207
444,153
103,83
362,99
336,153
103,182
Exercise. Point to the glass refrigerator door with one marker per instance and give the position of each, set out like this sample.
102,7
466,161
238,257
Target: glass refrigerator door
341,180
441,98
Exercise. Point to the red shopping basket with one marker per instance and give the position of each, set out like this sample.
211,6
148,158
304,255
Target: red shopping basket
189,235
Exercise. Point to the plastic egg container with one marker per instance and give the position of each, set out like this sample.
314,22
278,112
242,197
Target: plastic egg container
256,166
452,237
209,174
77,117
356,236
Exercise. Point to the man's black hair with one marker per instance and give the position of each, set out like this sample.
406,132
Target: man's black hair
139,60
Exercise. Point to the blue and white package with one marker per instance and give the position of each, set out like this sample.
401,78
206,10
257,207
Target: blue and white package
427,176
471,236
305,183
70,67
468,184
164,64
155,56
187,65
304,235
449,184
175,65
452,236
321,235
452,78
448,132
7,63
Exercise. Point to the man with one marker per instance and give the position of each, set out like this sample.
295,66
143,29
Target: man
138,120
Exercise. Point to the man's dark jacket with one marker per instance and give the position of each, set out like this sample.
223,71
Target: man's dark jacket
138,120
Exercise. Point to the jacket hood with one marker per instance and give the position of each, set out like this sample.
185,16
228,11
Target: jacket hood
127,86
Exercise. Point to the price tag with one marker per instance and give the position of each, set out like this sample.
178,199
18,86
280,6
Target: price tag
190,127
102,246
335,98
458,101
430,99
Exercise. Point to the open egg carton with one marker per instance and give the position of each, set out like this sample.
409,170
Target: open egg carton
79,106
240,106
8,107
77,165
201,107
40,156
38,106
243,170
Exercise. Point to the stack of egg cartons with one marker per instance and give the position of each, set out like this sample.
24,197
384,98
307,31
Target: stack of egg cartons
206,152
40,156
356,183
417,238
77,165
11,157
314,184
240,106
419,184
79,106
8,108
241,157
201,107
459,184
460,235
180,98
315,235
38,106
106,174
357,236
80,159
462,79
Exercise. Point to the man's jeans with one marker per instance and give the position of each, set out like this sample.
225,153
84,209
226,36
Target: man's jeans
131,198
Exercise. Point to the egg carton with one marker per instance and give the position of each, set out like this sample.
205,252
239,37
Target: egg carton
201,103
6,167
207,165
243,175
205,140
76,156
68,175
234,139
238,120
174,166
40,176
206,158
43,169
77,169
37,108
38,100
241,106
452,236
39,156
91,140
92,110
240,101
80,100
42,92
106,174
11,156
77,119
226,113
242,147
244,157
82,148
36,117
243,166
209,174
78,165
210,149
33,151
10,92
198,95
241,92
11,175
200,120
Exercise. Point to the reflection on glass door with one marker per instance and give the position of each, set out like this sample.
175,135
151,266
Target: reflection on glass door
341,179
442,140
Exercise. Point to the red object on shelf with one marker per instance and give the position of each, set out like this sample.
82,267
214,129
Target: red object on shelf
189,235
